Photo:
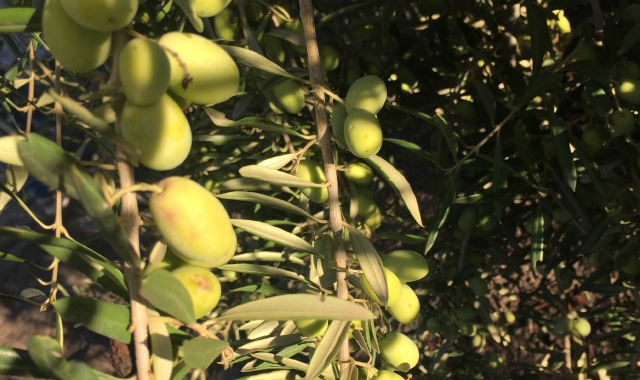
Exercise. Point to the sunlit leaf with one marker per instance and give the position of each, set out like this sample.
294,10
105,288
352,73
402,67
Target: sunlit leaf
255,60
298,306
328,348
164,291
201,352
274,234
399,183
105,318
20,20
267,201
370,263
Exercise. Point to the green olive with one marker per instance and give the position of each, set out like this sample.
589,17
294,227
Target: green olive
314,172
101,15
367,93
145,71
362,133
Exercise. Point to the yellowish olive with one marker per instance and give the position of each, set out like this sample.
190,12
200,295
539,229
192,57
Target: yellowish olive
407,308
312,327
314,172
160,131
203,287
193,222
359,173
76,47
394,288
208,8
407,265
145,71
290,96
367,93
362,133
213,73
101,15
399,351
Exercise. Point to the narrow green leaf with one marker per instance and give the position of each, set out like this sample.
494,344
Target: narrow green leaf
78,370
277,162
15,362
289,36
9,148
487,99
201,352
187,8
413,148
390,7
593,236
266,289
441,215
14,179
257,61
274,234
265,270
370,263
88,193
298,306
632,38
218,118
328,348
99,125
275,177
268,201
20,20
47,354
399,183
436,121
539,85
105,318
164,291
524,149
540,39
565,158
161,348
268,256
537,237
590,166
243,184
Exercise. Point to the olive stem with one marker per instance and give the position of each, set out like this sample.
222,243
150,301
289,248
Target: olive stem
131,189
324,137
129,210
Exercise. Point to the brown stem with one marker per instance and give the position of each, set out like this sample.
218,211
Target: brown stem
324,137
129,211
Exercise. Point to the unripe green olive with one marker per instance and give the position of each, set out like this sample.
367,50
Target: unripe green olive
359,173
628,90
193,222
407,308
367,206
145,71
467,327
76,47
214,73
203,287
593,139
399,351
367,93
384,374
394,288
407,265
312,327
468,219
329,58
628,69
338,117
208,8
314,172
562,327
362,133
478,286
582,327
290,96
466,110
160,131
273,48
375,220
622,121
466,311
225,24
101,15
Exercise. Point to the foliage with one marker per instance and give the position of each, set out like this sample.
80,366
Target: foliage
506,162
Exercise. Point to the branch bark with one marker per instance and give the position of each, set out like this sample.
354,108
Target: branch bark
324,138
129,212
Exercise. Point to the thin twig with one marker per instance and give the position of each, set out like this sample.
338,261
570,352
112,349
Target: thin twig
129,211
324,137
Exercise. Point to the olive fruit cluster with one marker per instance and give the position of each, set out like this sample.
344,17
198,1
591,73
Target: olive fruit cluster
78,32
400,267
159,81
356,124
